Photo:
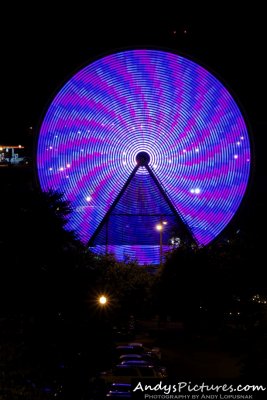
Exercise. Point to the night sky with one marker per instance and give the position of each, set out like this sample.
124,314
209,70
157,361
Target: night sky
43,47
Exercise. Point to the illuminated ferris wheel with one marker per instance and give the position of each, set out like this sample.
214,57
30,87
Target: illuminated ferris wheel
141,137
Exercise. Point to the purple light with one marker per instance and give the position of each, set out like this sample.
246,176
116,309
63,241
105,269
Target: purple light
146,101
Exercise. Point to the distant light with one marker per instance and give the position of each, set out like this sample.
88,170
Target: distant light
197,150
242,137
50,169
124,162
20,146
238,143
184,150
235,156
165,222
102,300
68,165
88,198
196,191
61,169
159,227
50,147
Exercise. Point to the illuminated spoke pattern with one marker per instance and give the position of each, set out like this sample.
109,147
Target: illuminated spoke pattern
146,101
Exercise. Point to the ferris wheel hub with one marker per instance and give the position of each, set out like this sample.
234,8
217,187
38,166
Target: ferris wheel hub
142,158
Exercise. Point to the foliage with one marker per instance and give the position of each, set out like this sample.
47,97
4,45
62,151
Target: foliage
49,286
129,285
200,283
42,289
50,283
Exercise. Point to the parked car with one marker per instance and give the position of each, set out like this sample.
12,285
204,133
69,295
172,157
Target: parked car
150,358
121,396
118,390
125,373
161,371
128,349
135,363
130,357
143,349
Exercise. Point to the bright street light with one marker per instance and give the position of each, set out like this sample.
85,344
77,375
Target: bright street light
160,228
102,300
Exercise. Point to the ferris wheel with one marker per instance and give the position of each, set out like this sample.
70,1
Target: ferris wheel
143,136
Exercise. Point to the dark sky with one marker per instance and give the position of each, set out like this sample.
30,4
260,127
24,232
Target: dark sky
42,46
